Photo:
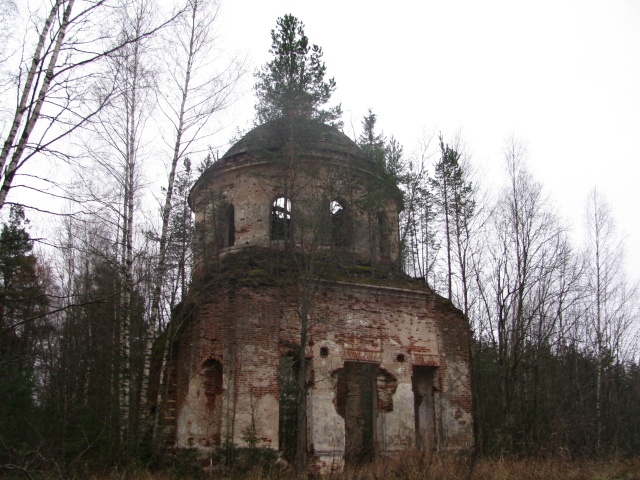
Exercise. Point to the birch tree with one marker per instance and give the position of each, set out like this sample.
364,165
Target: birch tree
611,299
70,44
526,260
418,240
198,86
117,149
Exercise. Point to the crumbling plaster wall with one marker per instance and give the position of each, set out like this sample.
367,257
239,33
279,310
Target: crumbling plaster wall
394,329
230,329
391,328
252,186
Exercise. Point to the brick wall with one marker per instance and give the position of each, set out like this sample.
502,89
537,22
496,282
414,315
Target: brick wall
248,328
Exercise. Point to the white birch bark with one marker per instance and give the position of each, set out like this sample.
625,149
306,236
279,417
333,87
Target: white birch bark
13,165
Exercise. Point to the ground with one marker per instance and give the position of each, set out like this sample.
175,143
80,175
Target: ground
411,467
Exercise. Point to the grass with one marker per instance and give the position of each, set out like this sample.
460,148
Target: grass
414,467
452,468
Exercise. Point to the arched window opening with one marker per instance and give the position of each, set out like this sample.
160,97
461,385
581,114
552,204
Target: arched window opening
231,226
212,375
280,218
339,224
383,235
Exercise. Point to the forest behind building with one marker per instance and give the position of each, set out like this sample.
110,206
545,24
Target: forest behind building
111,109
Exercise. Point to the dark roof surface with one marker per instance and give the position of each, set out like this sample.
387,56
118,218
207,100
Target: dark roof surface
313,136
270,136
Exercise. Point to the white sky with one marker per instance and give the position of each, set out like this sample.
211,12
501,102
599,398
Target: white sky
563,76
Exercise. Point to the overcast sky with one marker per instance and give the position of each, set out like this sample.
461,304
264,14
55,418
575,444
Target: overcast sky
563,76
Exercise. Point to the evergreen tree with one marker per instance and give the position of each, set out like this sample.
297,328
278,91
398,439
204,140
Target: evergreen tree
454,198
22,300
372,143
292,94
181,233
388,163
293,83
21,293
395,165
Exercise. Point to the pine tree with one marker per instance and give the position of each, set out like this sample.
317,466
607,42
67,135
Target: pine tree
292,95
388,163
22,300
454,198
293,83
372,143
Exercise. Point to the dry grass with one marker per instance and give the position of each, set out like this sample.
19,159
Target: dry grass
558,468
413,467
454,468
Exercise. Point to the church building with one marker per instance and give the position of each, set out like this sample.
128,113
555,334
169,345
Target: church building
298,243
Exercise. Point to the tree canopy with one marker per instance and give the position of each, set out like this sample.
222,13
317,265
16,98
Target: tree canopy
372,143
293,83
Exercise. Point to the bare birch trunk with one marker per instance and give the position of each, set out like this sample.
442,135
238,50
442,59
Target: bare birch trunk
166,215
26,91
132,112
598,293
123,341
13,165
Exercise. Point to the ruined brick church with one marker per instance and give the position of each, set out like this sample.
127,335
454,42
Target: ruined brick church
282,229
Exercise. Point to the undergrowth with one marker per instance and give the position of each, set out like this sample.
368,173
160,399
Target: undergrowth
408,466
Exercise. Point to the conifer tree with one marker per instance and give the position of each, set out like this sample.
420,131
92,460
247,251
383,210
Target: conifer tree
372,143
293,83
292,95
454,198
22,301
388,163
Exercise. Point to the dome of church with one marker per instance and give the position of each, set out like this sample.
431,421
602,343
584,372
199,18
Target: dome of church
258,194
313,135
